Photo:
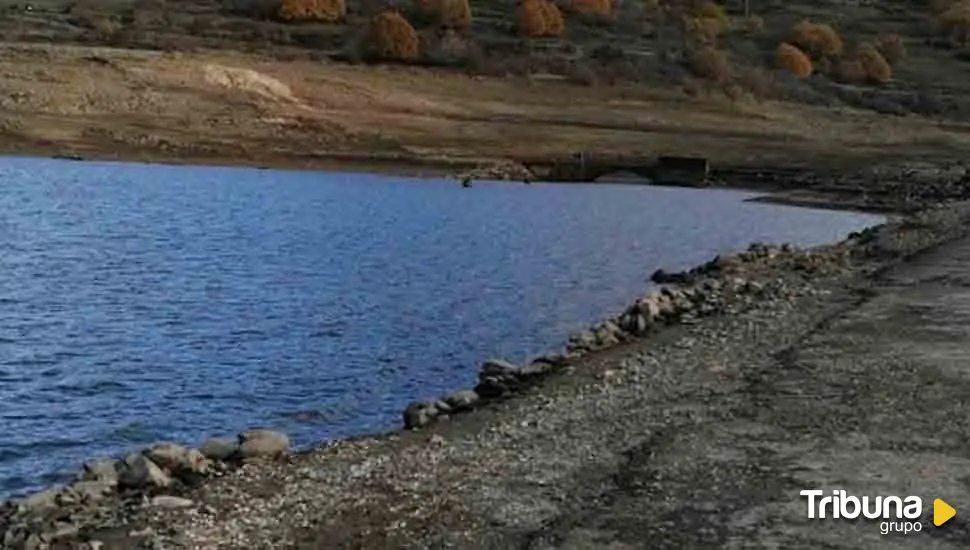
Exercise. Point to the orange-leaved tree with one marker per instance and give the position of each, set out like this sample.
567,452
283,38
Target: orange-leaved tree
537,18
876,67
817,39
389,37
312,10
794,60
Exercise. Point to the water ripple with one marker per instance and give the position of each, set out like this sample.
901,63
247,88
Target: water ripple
153,302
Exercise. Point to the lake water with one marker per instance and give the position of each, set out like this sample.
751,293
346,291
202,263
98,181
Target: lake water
141,303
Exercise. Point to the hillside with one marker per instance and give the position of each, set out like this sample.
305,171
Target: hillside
248,80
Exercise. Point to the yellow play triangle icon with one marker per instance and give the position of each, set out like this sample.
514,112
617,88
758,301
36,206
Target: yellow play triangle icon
942,512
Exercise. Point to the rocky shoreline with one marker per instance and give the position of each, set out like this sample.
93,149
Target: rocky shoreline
108,493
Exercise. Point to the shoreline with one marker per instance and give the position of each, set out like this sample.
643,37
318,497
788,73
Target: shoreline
776,190
720,288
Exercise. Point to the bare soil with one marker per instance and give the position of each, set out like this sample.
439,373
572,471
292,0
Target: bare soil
237,108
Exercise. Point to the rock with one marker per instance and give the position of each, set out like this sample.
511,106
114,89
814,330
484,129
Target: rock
584,339
65,531
442,406
178,460
419,414
639,324
497,367
263,444
12,539
38,503
219,448
169,456
34,542
102,469
535,370
605,339
711,285
90,491
649,308
137,471
463,400
556,360
494,387
171,502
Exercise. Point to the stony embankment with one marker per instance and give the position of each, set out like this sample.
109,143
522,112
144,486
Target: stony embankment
503,170
153,477
112,502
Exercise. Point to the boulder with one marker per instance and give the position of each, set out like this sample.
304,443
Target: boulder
39,503
419,414
493,387
640,324
584,339
535,370
649,308
92,491
177,460
219,448
463,400
556,360
102,469
263,444
497,367
137,471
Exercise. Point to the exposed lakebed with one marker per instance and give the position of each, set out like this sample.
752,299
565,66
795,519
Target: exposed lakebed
141,303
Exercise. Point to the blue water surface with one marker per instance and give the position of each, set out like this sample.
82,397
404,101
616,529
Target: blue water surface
141,303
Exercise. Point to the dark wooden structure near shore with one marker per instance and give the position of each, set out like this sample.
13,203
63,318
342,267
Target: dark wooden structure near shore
665,170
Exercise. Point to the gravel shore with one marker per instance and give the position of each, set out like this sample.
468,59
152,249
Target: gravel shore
687,436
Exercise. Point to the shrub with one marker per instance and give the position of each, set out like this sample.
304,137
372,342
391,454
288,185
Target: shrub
450,48
709,64
955,21
555,24
794,60
891,47
389,37
704,30
875,66
536,18
312,10
455,14
818,39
